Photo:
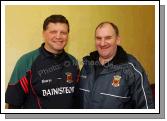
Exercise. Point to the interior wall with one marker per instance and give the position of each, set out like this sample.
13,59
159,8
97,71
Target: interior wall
23,30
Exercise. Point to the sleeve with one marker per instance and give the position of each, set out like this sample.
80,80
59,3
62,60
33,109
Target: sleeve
142,95
81,86
18,86
15,95
76,102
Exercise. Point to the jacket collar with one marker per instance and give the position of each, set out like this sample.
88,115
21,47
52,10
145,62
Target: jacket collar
47,54
120,57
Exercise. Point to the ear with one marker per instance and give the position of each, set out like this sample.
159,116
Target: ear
118,40
43,34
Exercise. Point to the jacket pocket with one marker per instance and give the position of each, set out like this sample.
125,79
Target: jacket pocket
113,101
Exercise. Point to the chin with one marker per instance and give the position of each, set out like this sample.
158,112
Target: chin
104,54
58,47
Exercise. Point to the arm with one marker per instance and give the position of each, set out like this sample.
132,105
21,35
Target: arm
142,95
15,92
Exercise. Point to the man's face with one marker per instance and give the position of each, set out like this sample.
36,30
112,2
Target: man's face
55,36
106,41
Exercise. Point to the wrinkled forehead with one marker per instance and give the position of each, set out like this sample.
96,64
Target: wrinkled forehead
105,28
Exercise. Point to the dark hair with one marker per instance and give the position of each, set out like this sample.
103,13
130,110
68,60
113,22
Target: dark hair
112,24
55,19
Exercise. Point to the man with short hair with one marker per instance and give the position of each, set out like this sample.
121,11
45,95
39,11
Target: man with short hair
47,76
111,78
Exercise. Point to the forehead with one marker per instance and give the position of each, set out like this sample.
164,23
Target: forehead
57,26
105,27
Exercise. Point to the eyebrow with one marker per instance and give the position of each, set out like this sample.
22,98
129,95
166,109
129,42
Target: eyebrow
104,37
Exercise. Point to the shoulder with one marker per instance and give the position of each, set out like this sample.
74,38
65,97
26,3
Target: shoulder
28,58
134,63
31,54
132,59
72,58
23,65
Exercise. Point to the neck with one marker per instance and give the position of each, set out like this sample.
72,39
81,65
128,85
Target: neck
104,60
52,51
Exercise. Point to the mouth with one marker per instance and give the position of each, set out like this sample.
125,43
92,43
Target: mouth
58,42
104,48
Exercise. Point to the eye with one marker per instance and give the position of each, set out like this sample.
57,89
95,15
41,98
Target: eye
53,32
108,37
63,33
98,38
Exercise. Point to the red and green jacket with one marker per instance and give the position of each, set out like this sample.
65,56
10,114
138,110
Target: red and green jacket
43,80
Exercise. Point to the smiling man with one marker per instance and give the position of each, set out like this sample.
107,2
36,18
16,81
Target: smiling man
111,78
42,78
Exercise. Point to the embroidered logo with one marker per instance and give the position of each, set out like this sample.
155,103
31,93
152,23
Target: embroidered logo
116,81
69,77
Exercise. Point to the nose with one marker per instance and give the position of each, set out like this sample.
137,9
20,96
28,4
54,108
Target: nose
102,42
58,35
